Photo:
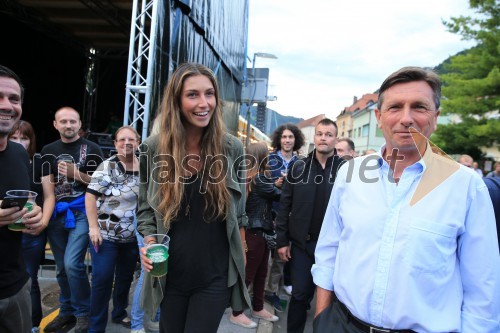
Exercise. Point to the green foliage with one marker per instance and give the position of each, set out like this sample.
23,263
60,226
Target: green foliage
471,82
464,137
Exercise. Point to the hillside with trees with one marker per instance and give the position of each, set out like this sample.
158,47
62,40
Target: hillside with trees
471,83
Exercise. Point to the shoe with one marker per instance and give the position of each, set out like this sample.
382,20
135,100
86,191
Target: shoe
242,320
265,315
138,331
82,324
59,322
288,290
275,301
35,330
125,322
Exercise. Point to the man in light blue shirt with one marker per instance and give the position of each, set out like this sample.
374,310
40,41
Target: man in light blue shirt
408,243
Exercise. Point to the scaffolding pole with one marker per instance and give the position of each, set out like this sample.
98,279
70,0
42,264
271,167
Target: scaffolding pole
141,59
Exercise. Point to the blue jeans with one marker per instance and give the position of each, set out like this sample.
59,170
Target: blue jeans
69,247
114,260
33,253
137,313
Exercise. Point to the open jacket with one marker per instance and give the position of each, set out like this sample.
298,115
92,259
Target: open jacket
150,221
297,201
259,203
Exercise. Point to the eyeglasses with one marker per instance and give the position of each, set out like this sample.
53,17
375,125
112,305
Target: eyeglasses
126,140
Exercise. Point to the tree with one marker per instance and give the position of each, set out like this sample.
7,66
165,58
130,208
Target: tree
471,83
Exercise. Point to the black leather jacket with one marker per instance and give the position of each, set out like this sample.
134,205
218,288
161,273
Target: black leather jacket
259,203
297,202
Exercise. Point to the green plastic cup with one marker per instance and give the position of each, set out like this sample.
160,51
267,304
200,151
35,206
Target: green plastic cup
157,252
19,224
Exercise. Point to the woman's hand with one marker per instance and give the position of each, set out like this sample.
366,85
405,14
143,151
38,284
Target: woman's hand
33,221
146,262
95,236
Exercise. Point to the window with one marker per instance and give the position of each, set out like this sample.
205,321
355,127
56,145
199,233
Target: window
349,134
365,130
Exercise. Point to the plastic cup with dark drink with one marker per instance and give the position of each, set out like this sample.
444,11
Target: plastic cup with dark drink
157,252
21,199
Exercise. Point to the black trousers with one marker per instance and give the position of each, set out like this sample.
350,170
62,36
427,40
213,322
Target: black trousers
334,320
303,286
196,311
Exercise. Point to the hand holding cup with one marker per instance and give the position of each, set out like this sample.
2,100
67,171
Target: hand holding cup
154,254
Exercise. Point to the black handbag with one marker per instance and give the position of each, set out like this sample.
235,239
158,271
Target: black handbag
270,237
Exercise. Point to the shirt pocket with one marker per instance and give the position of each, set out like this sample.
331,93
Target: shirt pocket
431,245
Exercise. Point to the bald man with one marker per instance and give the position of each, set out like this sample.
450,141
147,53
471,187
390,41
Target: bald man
68,163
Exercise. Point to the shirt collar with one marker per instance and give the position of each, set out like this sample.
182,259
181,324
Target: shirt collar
420,166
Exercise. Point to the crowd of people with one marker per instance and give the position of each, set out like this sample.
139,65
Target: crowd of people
402,239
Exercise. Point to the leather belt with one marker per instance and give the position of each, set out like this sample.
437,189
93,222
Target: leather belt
364,327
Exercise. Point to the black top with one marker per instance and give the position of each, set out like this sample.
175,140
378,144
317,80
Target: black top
198,248
321,179
84,153
36,184
15,173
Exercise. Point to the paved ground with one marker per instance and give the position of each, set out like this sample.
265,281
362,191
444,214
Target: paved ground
280,325
50,304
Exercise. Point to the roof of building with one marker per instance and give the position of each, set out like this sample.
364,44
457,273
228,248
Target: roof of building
311,121
363,102
359,104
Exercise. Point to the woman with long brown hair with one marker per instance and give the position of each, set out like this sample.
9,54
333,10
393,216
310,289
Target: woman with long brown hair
261,194
189,189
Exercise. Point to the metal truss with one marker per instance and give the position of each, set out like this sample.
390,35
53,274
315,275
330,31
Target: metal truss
141,59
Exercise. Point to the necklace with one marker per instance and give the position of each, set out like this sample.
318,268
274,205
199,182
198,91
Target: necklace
187,210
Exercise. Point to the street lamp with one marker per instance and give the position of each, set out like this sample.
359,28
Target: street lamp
255,55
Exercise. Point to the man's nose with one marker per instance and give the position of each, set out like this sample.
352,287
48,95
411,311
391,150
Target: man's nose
5,104
406,117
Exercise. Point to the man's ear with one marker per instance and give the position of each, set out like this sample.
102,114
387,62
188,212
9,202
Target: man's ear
377,115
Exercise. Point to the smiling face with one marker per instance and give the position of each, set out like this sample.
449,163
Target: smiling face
198,102
126,142
21,139
287,141
407,105
67,123
325,138
10,105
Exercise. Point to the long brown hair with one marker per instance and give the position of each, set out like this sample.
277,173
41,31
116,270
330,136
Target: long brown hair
172,140
259,155
25,129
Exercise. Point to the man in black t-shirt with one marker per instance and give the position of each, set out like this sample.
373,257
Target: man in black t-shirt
68,163
15,300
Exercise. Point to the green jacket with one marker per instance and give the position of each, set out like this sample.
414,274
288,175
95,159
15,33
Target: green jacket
149,221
